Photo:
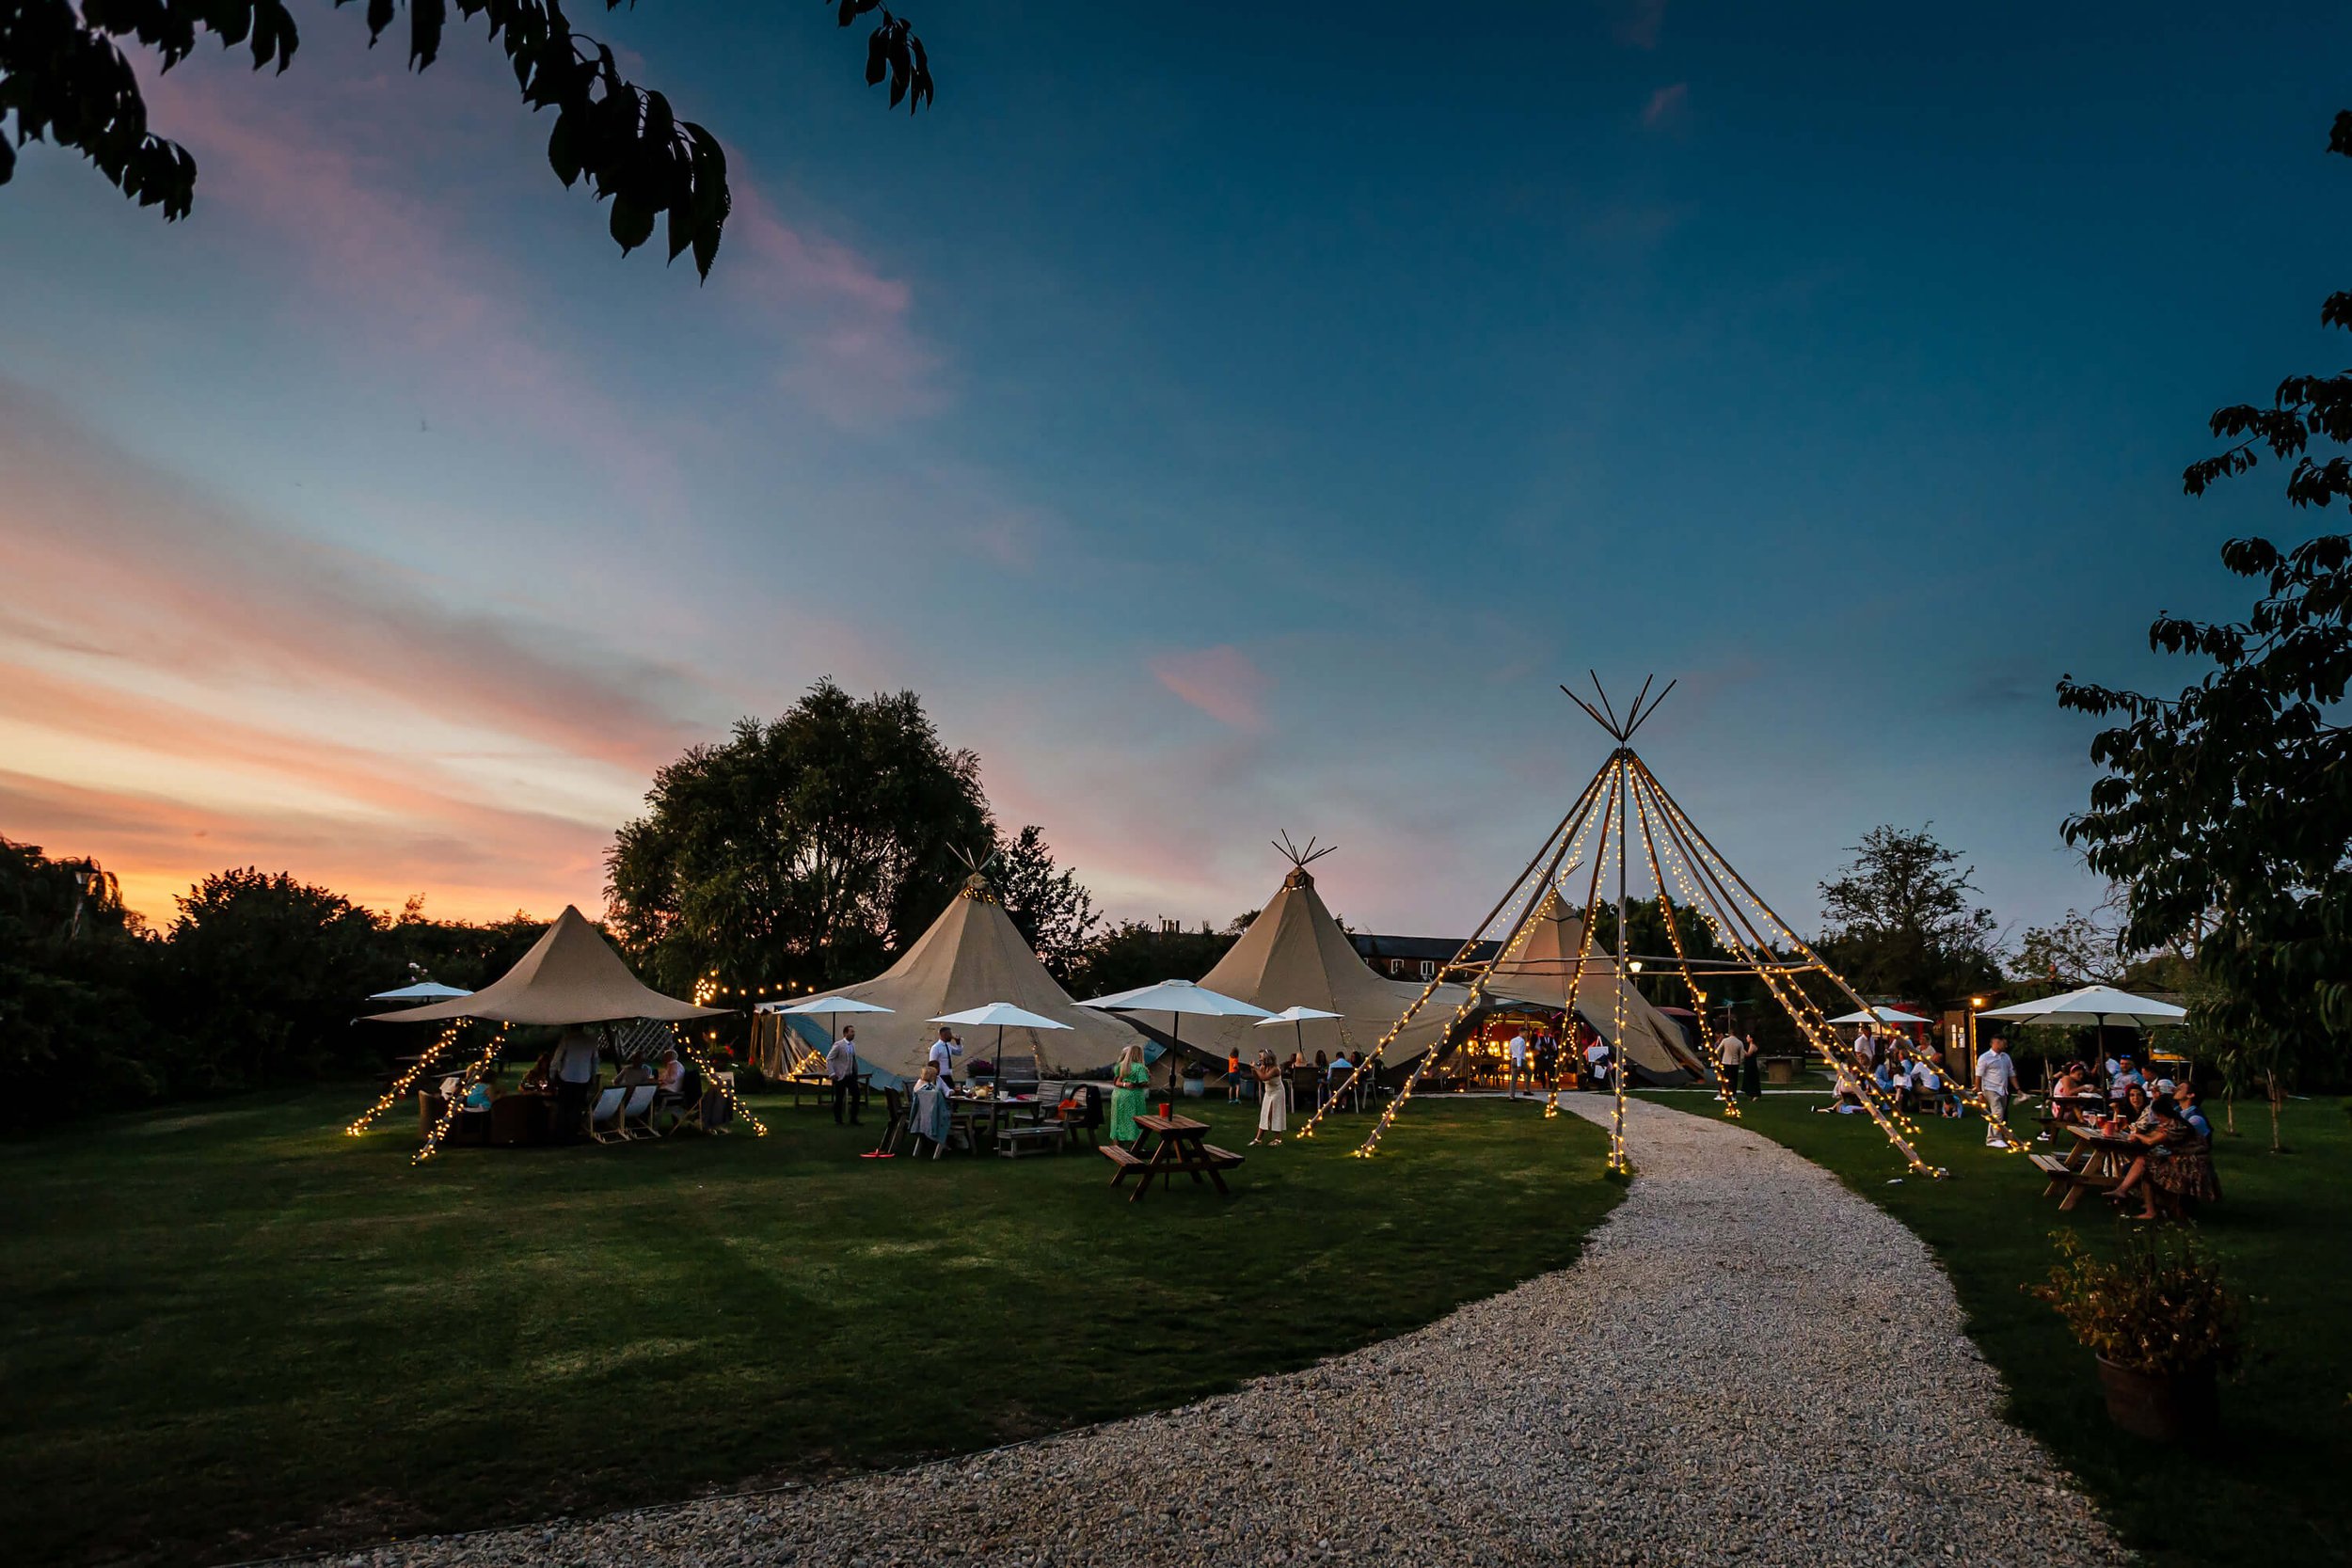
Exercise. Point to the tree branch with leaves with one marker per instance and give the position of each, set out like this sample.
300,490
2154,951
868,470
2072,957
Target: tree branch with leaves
66,79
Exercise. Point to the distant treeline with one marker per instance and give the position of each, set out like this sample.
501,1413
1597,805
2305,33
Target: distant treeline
255,981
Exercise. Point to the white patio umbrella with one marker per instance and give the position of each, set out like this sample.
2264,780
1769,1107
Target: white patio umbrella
1297,1018
423,990
2100,1004
1004,1015
826,1007
1176,998
1881,1015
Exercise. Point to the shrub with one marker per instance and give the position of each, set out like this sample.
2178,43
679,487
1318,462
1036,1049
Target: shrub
2160,1308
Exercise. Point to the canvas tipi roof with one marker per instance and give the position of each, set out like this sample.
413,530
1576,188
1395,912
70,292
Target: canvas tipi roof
1293,955
570,975
974,955
1543,965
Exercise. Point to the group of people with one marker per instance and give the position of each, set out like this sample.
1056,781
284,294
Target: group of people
567,1074
1544,1066
1277,1082
2163,1117
845,1080
1911,1077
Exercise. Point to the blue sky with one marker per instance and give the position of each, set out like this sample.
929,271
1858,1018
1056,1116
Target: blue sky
1229,422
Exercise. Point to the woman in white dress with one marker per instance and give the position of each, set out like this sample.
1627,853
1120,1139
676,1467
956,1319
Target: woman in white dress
1274,1098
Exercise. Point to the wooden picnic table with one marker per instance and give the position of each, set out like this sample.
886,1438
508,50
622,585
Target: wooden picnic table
2096,1164
1176,1143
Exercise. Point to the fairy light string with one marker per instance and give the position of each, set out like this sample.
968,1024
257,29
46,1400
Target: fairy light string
1711,873
1682,958
456,1101
1461,960
711,1077
408,1080
1966,1093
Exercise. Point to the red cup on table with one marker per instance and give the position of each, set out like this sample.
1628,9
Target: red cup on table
1163,1109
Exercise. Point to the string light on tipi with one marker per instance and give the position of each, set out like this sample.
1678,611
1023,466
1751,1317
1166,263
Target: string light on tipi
1625,796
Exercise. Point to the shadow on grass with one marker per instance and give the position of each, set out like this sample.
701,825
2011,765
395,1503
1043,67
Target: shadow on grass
232,1331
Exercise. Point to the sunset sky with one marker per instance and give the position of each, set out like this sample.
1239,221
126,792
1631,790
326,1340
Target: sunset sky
1229,421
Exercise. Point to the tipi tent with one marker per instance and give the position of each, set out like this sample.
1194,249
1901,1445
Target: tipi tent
974,955
1656,1050
570,975
1294,954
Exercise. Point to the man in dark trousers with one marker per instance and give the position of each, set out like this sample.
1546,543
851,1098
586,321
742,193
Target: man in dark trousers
841,1067
573,1067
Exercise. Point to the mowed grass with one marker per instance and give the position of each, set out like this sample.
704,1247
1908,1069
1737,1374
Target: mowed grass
232,1330
2278,1487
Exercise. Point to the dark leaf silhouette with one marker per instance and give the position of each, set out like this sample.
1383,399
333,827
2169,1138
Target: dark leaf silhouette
65,80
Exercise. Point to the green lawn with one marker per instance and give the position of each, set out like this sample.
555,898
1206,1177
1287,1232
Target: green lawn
2278,1489
230,1330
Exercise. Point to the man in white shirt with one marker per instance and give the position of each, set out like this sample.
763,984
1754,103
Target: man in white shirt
1516,1048
573,1069
943,1053
841,1069
1866,1049
1996,1075
1731,1051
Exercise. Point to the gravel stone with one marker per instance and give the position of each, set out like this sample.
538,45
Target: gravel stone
1748,1364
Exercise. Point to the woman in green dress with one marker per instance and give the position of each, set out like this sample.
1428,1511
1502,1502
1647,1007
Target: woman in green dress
1130,1076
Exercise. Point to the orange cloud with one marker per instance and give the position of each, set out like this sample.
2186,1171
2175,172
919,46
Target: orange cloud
183,688
1220,682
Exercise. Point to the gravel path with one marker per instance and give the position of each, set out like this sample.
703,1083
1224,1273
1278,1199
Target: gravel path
1740,1303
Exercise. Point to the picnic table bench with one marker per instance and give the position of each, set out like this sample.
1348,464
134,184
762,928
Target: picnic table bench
2096,1164
1177,1144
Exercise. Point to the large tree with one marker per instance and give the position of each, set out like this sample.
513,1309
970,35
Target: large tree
64,78
2226,811
269,970
806,850
1054,913
1902,919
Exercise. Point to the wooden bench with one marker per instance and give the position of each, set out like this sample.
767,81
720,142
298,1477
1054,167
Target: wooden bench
1015,1142
1178,1146
1122,1156
1223,1159
2065,1177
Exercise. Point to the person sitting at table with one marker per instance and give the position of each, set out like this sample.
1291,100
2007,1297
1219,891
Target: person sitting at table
633,1075
2072,1080
2124,1079
1926,1085
2135,1111
1274,1098
1128,1080
2187,1099
479,1094
1890,1075
670,1077
535,1080
2158,1132
929,1112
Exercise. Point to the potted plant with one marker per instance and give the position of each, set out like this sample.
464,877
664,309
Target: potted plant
2161,1323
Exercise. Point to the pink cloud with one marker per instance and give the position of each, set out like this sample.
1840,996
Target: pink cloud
1221,682
1666,106
1638,25
839,327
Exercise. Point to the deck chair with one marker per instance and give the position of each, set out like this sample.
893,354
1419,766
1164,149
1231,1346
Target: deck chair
894,1124
686,1110
636,1120
604,1117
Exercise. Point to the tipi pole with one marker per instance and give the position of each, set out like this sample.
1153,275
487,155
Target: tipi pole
1508,949
1470,945
1617,1161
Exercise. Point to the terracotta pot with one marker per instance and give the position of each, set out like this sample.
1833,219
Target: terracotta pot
2164,1407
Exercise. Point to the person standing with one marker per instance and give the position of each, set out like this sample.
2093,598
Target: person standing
1596,1062
1128,1080
841,1069
1274,1099
943,1054
1751,1069
1516,1048
574,1070
1996,1076
1731,1053
1232,1075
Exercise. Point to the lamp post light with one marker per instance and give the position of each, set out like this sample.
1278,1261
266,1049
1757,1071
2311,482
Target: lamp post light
1976,1005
